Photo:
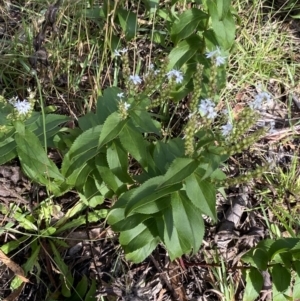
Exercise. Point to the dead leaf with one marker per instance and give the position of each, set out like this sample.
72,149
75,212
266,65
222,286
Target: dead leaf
13,266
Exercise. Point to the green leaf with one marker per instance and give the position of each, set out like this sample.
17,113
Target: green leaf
52,126
108,103
128,22
141,254
123,223
32,260
169,235
113,125
257,257
254,284
165,153
148,192
144,121
87,121
282,245
138,237
65,276
180,169
223,26
188,222
296,291
184,51
134,143
7,150
90,296
34,159
85,142
202,193
117,159
188,23
281,277
81,289
106,174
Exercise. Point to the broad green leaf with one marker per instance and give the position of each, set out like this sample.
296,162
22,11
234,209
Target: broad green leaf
254,284
257,257
188,23
52,126
127,223
147,193
87,121
179,170
128,22
113,125
141,254
106,174
282,245
223,7
165,153
138,237
144,121
85,142
184,51
81,289
90,189
134,143
7,150
108,103
188,222
278,296
296,290
32,155
284,258
168,234
202,194
281,277
90,296
117,159
224,28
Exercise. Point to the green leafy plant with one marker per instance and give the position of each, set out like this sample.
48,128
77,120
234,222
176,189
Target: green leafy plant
281,259
176,175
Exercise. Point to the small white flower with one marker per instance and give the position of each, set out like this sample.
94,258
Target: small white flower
13,100
120,95
212,114
256,104
23,107
126,105
213,53
207,108
217,56
177,74
124,50
220,60
135,79
226,129
260,99
117,52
